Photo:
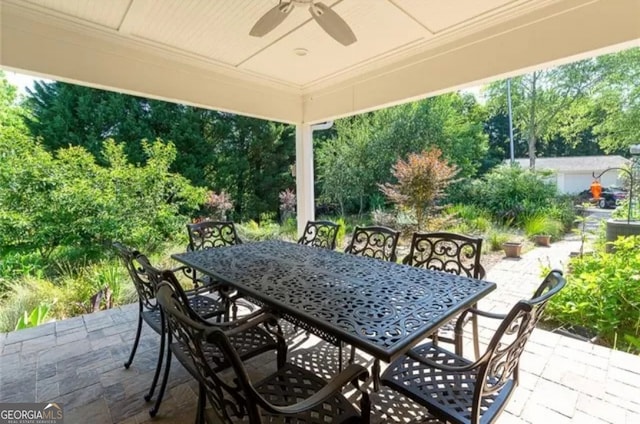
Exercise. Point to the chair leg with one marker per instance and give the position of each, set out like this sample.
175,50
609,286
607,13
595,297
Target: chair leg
149,395
234,310
153,411
476,338
137,340
202,402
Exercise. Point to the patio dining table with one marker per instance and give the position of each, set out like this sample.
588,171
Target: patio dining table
379,307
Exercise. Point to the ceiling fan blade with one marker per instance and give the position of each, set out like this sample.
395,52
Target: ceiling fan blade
271,19
332,23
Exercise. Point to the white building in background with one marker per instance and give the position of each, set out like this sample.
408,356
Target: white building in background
574,174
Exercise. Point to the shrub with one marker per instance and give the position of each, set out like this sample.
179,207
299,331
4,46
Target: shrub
37,316
267,229
510,194
289,228
50,201
287,204
474,218
421,180
26,295
563,210
495,238
602,294
542,225
342,231
217,205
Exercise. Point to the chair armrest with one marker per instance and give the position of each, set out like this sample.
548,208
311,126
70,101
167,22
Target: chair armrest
463,319
239,325
486,314
350,374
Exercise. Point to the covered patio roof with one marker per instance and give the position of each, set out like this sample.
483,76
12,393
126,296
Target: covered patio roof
199,52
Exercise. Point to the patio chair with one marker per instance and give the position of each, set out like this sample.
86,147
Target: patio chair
374,242
320,234
249,341
148,310
210,235
290,394
452,253
457,390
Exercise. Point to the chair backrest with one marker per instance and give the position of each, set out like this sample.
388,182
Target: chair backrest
144,285
228,398
320,234
498,374
212,234
448,252
374,242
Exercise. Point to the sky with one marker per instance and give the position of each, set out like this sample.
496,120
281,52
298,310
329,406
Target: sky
21,81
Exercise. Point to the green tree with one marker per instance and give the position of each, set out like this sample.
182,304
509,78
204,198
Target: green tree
252,162
548,102
618,102
366,146
247,157
71,115
67,199
12,115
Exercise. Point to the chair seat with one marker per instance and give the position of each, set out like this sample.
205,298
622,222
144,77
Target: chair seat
154,319
291,384
446,394
248,344
205,306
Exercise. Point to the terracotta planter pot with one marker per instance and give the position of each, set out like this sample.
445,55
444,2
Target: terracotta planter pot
512,249
542,240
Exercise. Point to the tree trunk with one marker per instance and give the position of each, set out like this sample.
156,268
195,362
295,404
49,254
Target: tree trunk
532,152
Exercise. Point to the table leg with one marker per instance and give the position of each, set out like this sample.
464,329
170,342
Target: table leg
375,371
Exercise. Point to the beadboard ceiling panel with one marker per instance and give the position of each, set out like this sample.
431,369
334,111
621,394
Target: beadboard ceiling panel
108,13
372,24
440,15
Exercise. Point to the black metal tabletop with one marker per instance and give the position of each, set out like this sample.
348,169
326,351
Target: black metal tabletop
380,307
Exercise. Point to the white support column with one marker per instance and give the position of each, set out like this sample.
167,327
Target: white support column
304,175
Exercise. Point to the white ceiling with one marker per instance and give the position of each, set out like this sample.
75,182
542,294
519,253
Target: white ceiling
217,30
199,51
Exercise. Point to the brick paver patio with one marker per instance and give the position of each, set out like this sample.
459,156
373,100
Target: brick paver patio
79,362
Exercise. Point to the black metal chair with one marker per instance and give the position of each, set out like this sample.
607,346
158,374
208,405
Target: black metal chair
290,394
374,242
457,390
452,253
149,311
249,341
210,235
320,234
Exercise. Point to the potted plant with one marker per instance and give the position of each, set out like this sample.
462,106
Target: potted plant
512,249
541,228
542,240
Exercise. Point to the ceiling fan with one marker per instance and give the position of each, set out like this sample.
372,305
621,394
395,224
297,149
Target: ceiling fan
328,20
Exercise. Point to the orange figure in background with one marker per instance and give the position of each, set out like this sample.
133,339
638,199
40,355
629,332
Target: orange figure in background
596,189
